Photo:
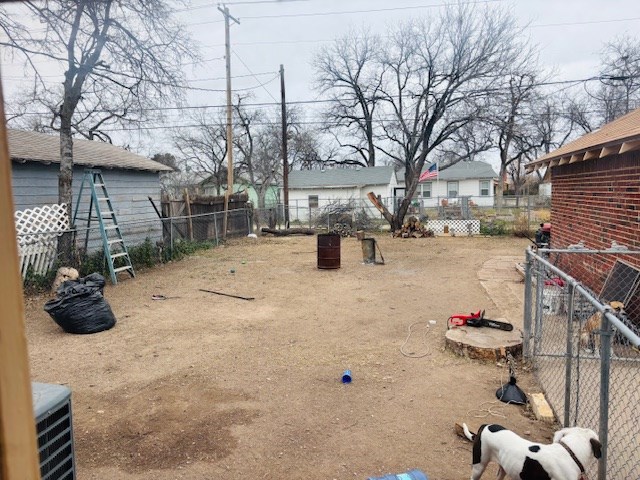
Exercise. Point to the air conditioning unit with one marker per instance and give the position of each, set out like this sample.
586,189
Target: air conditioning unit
52,411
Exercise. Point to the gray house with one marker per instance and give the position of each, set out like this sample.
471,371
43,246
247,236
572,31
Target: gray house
130,180
474,180
310,190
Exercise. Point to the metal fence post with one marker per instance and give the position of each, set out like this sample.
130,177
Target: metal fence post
215,227
171,234
527,305
539,307
605,366
569,358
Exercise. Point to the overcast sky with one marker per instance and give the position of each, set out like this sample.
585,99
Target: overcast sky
570,35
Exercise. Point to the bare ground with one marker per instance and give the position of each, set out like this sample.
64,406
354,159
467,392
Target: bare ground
202,386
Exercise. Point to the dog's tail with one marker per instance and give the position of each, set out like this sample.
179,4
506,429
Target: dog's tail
467,433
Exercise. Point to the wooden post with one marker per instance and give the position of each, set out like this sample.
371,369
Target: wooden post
18,449
189,220
227,44
285,158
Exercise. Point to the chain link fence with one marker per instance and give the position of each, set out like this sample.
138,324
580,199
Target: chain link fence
520,215
582,335
164,236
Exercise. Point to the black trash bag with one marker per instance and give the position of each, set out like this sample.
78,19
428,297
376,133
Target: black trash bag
80,307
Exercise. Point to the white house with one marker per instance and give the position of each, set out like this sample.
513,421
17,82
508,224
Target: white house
316,189
471,180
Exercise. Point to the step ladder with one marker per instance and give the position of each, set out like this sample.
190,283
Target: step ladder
115,250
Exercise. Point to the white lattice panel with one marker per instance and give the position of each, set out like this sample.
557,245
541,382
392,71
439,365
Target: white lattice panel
37,231
456,227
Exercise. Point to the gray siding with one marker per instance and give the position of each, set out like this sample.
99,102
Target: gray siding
36,184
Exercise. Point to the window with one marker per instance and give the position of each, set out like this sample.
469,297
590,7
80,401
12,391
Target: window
484,188
313,201
452,189
426,190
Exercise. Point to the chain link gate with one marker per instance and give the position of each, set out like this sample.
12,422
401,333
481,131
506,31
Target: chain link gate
585,347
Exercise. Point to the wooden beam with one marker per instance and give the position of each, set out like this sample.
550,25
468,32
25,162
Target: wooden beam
554,162
592,154
576,157
630,146
564,161
18,448
606,151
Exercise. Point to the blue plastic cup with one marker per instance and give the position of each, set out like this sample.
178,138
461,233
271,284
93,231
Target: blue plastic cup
346,376
411,475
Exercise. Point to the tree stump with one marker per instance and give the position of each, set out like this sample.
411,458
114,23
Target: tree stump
484,343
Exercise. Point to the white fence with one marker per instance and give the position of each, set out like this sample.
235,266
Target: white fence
37,231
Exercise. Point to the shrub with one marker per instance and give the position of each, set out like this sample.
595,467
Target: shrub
521,227
144,254
494,227
35,283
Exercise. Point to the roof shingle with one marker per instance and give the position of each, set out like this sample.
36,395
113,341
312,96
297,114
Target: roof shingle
340,177
618,136
29,146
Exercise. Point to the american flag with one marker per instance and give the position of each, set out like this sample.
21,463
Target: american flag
432,172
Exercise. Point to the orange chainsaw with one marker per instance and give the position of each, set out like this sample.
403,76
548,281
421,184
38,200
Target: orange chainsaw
477,320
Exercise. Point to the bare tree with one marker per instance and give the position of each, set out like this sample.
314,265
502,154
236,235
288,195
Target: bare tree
511,119
203,147
350,73
120,59
620,77
308,149
438,74
618,90
553,120
259,143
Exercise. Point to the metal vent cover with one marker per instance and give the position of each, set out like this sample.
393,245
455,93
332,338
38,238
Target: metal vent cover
52,411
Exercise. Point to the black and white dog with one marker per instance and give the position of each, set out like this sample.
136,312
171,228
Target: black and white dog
573,450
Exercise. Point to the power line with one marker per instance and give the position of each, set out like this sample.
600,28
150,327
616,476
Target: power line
326,40
371,10
588,22
327,100
12,77
277,123
264,1
351,12
247,67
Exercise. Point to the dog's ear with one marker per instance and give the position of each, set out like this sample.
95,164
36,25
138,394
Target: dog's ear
596,446
559,434
617,306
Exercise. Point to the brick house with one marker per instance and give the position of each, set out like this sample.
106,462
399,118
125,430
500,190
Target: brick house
596,196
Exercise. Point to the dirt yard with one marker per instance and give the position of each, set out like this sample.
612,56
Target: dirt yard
203,386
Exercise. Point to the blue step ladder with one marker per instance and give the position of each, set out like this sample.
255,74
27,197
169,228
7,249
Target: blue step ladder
115,250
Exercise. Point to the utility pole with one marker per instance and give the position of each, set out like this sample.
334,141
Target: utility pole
285,159
227,44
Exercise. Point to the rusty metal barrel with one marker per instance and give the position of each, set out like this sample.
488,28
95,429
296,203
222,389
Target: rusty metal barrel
328,250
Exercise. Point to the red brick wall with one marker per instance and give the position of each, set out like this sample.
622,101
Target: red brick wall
596,201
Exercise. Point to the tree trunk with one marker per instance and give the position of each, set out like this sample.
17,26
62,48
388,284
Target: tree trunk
398,218
65,190
388,216
289,231
500,189
261,192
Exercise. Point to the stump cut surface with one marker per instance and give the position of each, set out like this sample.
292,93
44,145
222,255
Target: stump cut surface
484,343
